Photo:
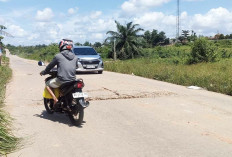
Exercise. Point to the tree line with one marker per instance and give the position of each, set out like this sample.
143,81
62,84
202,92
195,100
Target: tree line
130,41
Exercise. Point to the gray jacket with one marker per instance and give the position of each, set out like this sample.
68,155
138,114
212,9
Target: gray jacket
66,62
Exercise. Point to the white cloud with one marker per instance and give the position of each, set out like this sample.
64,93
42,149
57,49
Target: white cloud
158,21
218,19
93,26
134,6
44,15
2,20
48,30
16,31
83,28
33,36
4,0
96,14
193,0
72,11
97,36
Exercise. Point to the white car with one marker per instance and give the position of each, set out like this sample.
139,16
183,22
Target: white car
88,59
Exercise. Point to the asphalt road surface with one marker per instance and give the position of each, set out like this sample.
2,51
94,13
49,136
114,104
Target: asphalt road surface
128,116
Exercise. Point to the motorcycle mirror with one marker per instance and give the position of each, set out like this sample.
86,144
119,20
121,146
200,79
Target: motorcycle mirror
40,63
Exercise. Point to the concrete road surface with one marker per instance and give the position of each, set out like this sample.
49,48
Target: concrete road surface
129,116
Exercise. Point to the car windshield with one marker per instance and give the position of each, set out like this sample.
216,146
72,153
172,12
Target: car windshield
84,51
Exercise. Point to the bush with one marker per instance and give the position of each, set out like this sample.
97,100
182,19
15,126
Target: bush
104,51
8,142
203,51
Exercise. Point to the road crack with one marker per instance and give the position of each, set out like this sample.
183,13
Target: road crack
113,94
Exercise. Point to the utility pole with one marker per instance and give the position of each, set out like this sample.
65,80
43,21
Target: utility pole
115,57
178,21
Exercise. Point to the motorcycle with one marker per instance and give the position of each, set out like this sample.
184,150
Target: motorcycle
71,99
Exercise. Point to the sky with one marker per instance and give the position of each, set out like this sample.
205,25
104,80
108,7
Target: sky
34,22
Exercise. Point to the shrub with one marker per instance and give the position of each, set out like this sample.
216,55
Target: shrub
203,51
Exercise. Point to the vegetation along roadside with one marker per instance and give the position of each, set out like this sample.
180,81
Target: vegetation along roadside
8,142
190,60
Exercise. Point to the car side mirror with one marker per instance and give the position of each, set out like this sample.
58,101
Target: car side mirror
40,63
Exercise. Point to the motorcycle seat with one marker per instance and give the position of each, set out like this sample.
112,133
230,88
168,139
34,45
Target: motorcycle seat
67,86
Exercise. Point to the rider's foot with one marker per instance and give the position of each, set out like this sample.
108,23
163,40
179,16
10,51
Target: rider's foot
56,104
55,101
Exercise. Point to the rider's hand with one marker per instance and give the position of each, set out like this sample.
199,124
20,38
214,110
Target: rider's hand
41,73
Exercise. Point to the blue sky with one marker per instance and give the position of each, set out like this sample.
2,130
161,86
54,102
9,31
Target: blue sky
47,21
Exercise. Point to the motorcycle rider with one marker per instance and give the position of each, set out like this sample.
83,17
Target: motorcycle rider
66,62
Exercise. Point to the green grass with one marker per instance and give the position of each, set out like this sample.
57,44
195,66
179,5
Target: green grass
215,76
8,142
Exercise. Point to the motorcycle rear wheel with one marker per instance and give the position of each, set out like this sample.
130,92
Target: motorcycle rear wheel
48,104
78,118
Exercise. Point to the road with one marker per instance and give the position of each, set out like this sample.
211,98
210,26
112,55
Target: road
129,116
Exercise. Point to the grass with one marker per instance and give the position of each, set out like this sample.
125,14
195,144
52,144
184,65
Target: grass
8,142
215,76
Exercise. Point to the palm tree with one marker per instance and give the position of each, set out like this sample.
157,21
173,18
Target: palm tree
1,37
3,32
126,39
185,34
1,28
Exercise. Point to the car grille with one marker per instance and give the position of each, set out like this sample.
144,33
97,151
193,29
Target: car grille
84,62
90,64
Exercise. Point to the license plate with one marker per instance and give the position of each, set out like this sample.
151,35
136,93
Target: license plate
90,66
80,95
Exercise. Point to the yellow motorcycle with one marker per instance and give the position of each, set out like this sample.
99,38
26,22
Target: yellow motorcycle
71,99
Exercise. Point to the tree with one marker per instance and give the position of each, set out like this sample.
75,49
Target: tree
1,32
221,36
1,37
78,44
185,33
203,51
184,38
155,38
148,38
126,39
97,44
2,27
161,37
193,36
227,36
87,44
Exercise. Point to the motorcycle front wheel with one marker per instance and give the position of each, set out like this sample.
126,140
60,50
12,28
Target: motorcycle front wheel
48,104
77,116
